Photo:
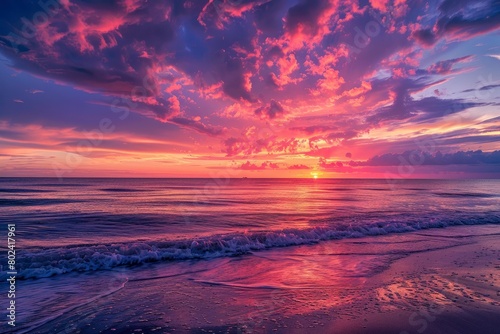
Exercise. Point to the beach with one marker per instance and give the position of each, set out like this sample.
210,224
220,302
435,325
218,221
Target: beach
437,281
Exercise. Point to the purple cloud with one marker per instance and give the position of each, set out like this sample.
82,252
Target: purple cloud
265,165
461,20
425,158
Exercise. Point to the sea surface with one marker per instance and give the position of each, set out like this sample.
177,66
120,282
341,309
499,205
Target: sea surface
74,234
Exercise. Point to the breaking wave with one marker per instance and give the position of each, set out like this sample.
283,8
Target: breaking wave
40,263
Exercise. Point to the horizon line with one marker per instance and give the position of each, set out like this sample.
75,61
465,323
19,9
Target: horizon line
254,178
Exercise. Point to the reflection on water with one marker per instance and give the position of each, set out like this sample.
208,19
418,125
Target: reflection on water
78,211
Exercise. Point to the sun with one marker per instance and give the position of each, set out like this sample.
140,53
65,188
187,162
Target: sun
314,175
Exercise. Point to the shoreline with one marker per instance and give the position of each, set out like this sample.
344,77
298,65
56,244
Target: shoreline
432,281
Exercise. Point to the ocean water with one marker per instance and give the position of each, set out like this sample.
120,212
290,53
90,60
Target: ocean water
82,239
93,224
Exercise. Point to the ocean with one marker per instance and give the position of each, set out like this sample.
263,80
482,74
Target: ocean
81,239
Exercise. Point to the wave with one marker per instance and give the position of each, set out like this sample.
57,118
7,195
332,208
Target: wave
35,201
40,263
122,190
62,184
23,190
459,195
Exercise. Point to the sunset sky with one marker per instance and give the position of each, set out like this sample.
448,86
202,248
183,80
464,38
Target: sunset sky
265,88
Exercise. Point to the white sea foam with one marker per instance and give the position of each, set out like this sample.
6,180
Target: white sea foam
39,263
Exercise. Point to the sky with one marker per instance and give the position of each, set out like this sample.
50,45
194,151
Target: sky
234,88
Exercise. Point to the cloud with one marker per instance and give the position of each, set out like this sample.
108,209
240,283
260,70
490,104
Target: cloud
265,165
334,166
249,145
313,78
197,126
437,92
220,12
271,111
331,81
92,143
404,106
425,158
446,66
380,4
308,22
123,50
297,167
452,6
314,129
323,152
494,56
483,88
461,20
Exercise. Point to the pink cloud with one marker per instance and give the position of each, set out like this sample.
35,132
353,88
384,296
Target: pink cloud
380,4
298,167
265,165
334,166
356,91
287,65
308,22
220,12
252,144
331,57
330,82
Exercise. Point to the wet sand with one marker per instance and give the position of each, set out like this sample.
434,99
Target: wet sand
431,281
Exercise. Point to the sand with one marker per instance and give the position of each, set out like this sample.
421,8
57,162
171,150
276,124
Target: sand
431,281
